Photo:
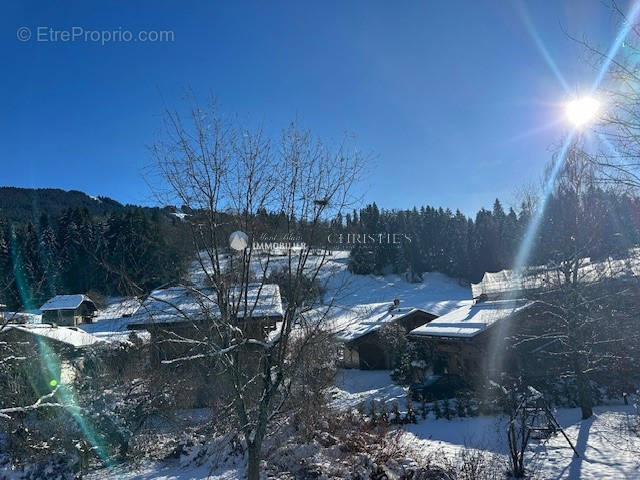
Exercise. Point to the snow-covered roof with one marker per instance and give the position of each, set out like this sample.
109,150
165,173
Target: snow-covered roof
65,302
67,335
499,284
114,317
116,308
355,322
120,338
472,319
23,317
181,304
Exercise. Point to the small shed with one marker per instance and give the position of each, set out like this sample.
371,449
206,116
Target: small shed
68,310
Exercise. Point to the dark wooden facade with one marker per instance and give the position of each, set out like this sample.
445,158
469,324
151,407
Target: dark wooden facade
369,352
168,339
492,351
70,317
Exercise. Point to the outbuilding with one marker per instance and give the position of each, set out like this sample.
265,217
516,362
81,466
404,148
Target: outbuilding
68,310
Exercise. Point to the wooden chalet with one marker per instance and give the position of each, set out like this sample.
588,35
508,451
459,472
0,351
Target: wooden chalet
473,341
59,348
362,345
68,310
182,320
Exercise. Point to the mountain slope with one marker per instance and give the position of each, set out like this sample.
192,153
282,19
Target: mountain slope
19,204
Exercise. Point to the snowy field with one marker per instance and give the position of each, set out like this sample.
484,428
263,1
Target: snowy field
436,292
607,449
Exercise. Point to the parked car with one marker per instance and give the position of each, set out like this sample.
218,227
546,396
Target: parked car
438,387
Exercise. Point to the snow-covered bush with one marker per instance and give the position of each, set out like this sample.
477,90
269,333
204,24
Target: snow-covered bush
404,354
36,429
475,464
117,389
348,446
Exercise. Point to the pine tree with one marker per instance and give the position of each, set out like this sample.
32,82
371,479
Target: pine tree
395,412
424,408
437,412
372,412
410,416
446,409
384,415
461,406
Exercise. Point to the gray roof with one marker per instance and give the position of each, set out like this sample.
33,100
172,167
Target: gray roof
65,302
184,304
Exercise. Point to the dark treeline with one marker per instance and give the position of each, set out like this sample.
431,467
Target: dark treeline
466,248
123,252
131,250
18,204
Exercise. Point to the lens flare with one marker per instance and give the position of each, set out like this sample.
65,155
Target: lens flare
582,111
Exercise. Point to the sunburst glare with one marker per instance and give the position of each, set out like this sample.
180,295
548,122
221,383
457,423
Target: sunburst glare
582,111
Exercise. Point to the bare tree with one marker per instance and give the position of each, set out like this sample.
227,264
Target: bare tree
586,303
235,178
616,150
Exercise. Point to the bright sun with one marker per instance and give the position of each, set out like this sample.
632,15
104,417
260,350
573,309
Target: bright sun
582,110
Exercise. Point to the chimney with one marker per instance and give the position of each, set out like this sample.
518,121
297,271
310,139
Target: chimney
394,305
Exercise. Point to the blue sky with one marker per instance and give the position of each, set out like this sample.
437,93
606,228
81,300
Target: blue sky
454,99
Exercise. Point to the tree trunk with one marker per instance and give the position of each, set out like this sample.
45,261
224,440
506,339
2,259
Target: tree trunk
584,395
254,454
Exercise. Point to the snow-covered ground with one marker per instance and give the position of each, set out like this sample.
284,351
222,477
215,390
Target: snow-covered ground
356,386
171,471
607,449
437,291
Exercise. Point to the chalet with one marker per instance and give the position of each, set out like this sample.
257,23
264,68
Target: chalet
362,345
477,340
175,315
472,341
68,310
